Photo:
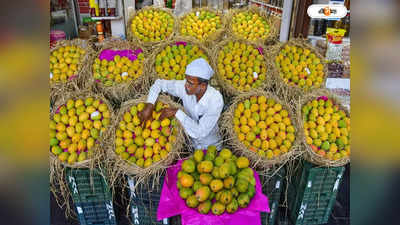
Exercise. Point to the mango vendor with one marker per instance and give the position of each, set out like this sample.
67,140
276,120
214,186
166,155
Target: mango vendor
202,103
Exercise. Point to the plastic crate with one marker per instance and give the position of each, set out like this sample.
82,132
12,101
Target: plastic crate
87,187
144,204
96,213
273,189
312,193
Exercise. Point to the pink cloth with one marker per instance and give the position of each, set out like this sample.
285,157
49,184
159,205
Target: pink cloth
323,98
260,50
171,204
109,54
180,43
57,35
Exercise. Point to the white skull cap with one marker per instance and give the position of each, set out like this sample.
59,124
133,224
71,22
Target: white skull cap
200,68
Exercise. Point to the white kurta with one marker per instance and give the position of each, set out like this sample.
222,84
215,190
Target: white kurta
201,123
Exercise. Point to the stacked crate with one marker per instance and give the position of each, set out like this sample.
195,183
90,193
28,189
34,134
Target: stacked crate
144,203
272,187
91,196
312,193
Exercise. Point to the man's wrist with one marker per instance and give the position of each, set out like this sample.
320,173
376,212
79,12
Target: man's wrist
149,104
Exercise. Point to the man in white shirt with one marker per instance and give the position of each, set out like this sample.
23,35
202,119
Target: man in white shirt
202,103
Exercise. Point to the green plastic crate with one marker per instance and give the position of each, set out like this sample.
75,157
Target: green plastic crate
83,190
273,189
312,193
96,213
91,196
144,204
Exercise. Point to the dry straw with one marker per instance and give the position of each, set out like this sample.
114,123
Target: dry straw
213,38
161,47
273,32
310,155
262,163
280,85
150,45
228,88
76,83
58,185
124,90
121,168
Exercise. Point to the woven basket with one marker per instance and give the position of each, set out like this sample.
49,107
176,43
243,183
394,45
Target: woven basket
228,131
123,91
150,45
122,167
213,38
229,89
273,32
76,82
310,155
102,138
280,85
172,42
58,183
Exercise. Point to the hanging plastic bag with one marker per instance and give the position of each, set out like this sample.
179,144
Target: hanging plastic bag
159,3
182,7
335,44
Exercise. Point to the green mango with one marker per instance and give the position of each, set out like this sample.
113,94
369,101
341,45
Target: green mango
53,142
82,157
251,191
63,110
95,115
243,200
89,101
133,110
325,146
56,150
94,133
342,124
247,104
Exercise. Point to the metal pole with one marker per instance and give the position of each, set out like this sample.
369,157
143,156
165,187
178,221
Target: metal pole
286,17
74,17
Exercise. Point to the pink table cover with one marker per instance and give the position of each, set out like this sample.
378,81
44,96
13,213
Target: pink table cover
171,204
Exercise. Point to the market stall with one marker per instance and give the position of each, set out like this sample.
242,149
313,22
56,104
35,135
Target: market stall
284,126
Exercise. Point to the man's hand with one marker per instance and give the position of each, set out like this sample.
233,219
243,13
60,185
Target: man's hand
146,113
168,112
